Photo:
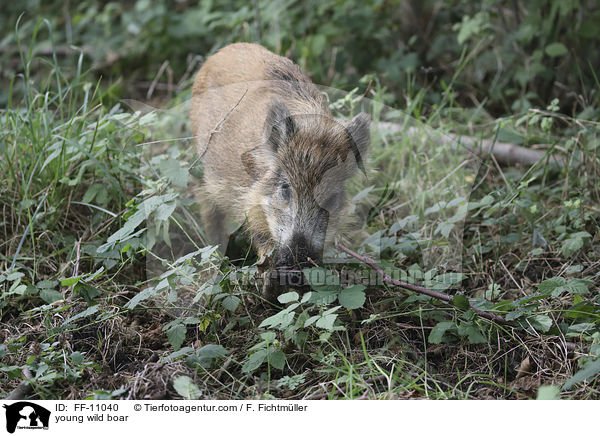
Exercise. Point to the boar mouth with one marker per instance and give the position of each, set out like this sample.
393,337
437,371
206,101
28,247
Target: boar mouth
291,260
290,277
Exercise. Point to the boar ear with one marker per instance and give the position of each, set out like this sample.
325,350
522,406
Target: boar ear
279,125
360,137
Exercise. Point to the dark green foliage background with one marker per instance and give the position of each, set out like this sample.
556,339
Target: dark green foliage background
523,53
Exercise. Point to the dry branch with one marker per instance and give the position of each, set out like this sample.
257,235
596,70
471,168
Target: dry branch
504,152
22,391
419,289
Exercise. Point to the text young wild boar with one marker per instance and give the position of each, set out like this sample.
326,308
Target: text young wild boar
274,158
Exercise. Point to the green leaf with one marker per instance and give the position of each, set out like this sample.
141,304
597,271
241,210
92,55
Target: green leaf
541,323
574,243
206,355
311,320
89,311
277,359
362,194
323,297
578,286
70,281
589,370
444,228
288,297
186,387
144,295
176,354
281,319
556,49
268,336
437,333
172,170
461,302
472,333
165,210
254,361
14,276
326,321
46,284
231,302
88,292
77,357
176,335
548,393
50,295
212,351
352,297
552,285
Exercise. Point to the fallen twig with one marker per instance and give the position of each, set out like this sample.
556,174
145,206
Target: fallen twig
420,289
504,152
24,389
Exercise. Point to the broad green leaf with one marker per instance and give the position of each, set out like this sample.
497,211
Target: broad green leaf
574,243
165,210
553,286
172,170
288,297
176,354
556,49
548,393
47,284
176,335
144,295
14,276
578,286
212,351
186,387
326,321
206,355
231,302
541,323
352,297
472,333
437,333
281,319
323,297
276,359
255,360
70,281
268,336
77,357
589,370
311,320
50,295
461,302
89,311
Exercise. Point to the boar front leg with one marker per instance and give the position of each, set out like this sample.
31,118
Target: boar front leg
215,226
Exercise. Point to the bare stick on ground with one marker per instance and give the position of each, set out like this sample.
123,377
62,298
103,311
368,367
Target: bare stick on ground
415,288
506,153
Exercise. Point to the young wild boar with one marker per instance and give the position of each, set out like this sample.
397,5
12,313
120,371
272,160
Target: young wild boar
274,157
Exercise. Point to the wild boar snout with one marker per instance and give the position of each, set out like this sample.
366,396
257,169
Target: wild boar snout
300,252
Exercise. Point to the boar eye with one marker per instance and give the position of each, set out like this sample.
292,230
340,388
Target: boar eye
286,193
